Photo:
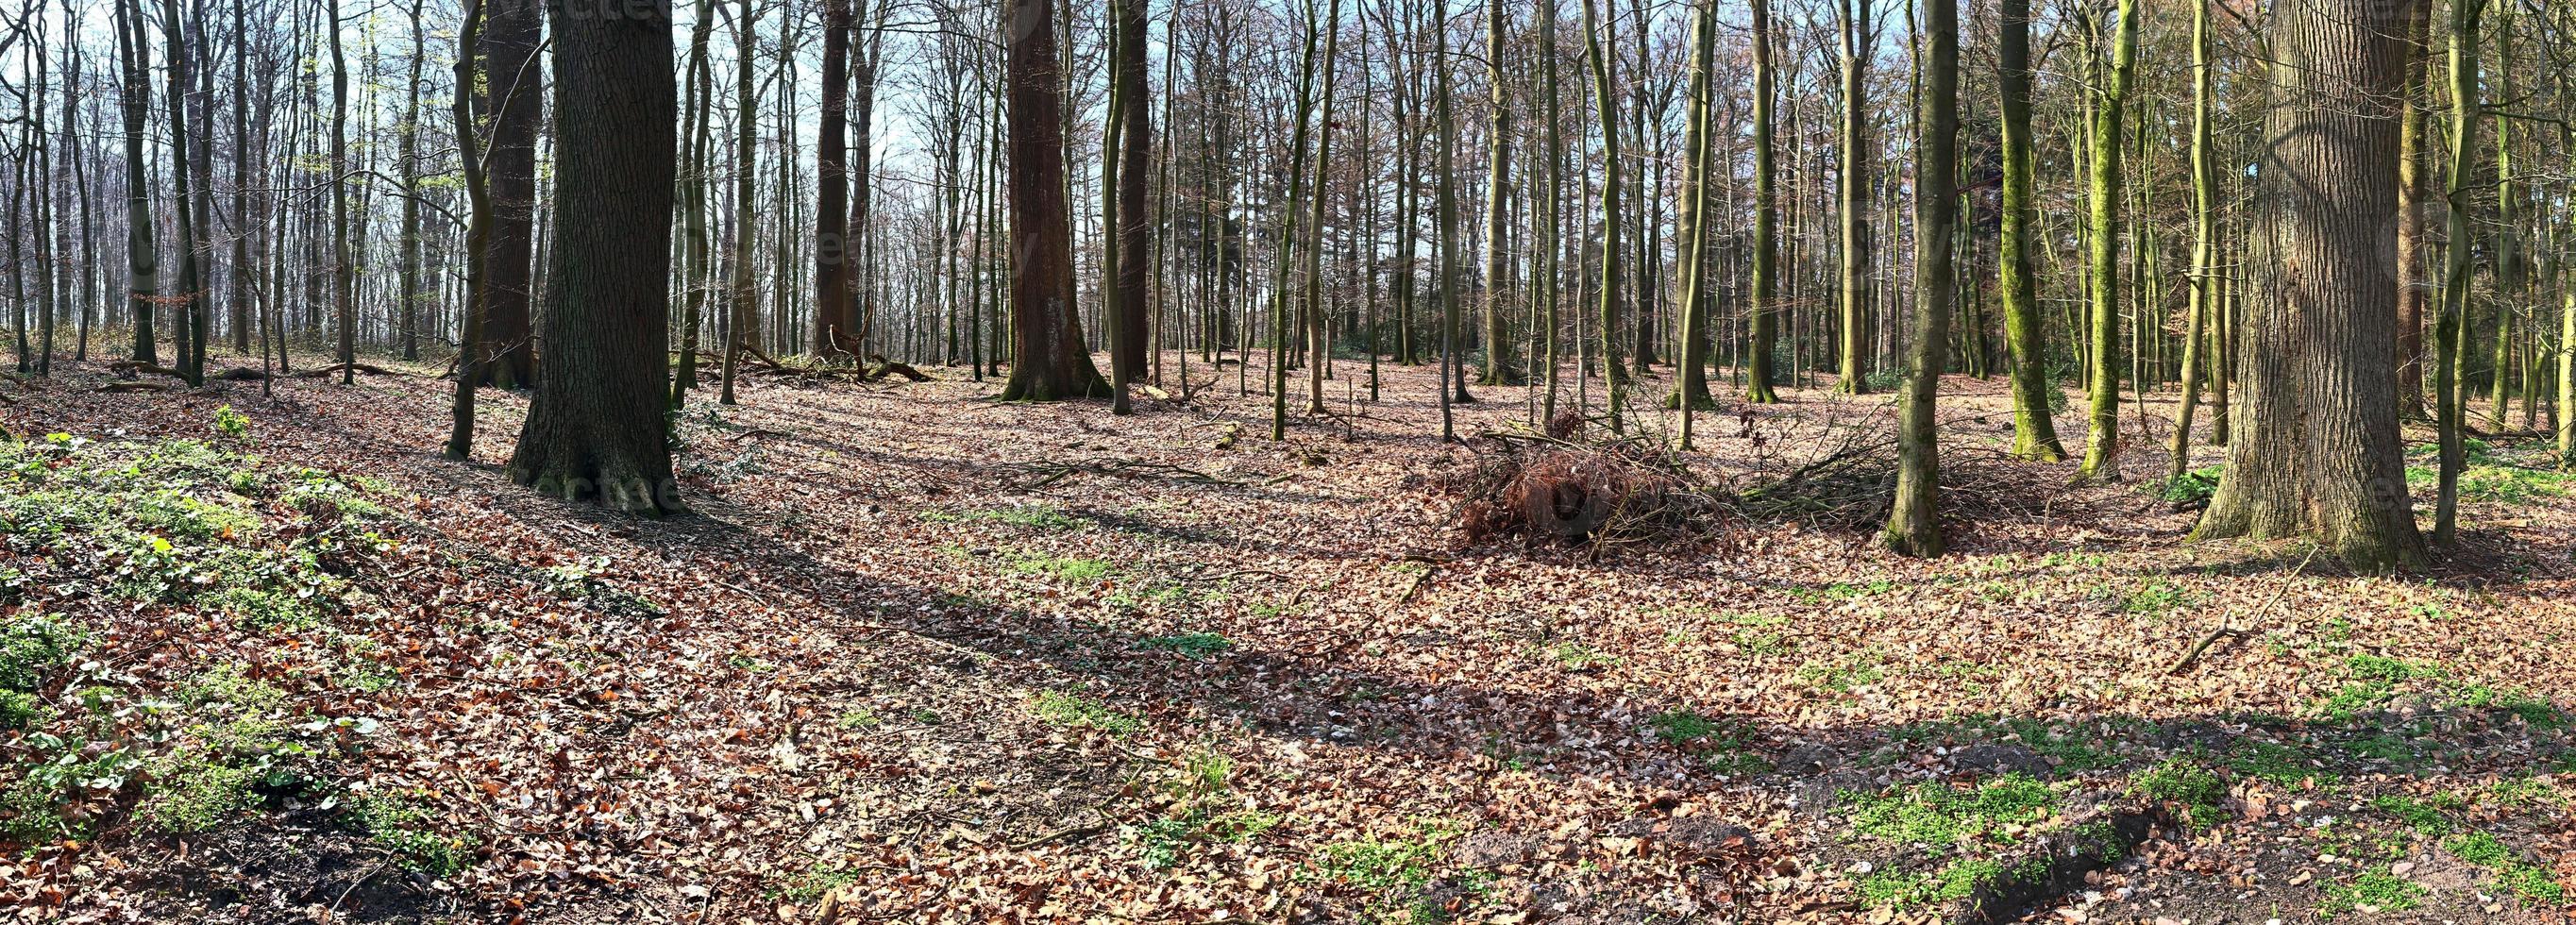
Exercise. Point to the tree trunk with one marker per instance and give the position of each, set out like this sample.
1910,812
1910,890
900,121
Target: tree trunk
832,250
142,253
2204,224
2413,184
1765,336
1914,523
595,429
1499,369
1604,98
1048,359
1858,46
1690,384
2102,251
515,85
2317,450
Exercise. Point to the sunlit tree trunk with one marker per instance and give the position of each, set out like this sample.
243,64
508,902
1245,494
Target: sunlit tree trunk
2317,450
1914,522
2102,252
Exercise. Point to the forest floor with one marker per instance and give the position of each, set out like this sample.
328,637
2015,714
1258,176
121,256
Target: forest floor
920,657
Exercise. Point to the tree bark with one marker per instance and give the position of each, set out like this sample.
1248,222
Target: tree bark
2317,450
2025,335
2102,250
515,82
595,430
1765,335
1914,522
1048,359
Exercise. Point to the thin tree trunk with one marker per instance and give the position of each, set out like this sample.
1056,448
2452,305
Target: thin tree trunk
1914,522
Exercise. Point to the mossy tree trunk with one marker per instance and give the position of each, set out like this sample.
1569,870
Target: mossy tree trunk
1914,522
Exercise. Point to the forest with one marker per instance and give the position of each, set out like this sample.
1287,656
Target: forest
1297,461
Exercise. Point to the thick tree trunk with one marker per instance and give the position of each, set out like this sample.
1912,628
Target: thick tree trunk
1048,359
2317,451
595,429
1135,225
515,83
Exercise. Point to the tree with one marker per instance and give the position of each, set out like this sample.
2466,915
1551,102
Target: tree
2034,429
595,429
1690,384
1859,38
1048,359
193,314
2450,399
2204,226
513,82
2316,450
1283,256
1914,522
2102,242
1498,173
1604,97
1125,169
832,189
142,254
1766,217
478,235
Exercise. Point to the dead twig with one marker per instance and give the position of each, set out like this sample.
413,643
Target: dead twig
2225,630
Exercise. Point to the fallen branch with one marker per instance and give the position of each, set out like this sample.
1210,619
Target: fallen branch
1033,476
336,368
2226,630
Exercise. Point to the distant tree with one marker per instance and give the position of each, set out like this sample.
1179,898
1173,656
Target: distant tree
1765,335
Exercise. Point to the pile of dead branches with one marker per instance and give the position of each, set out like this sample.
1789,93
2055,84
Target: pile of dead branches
1607,494
1634,490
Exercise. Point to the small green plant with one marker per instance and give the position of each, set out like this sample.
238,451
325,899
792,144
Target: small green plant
33,646
1681,727
1937,814
1842,676
231,423
1074,711
1400,865
1068,570
2190,786
1577,657
1956,881
2193,488
405,829
2532,881
2371,893
814,883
